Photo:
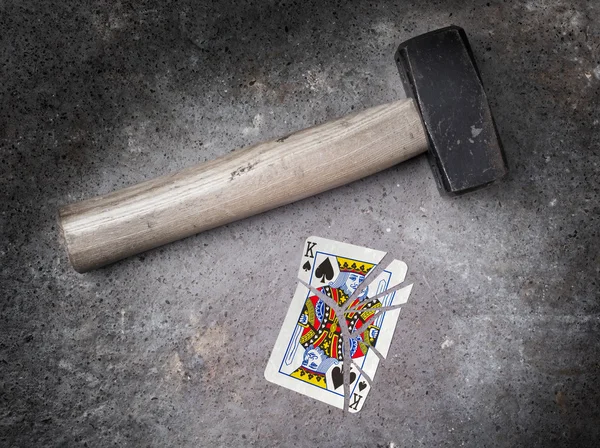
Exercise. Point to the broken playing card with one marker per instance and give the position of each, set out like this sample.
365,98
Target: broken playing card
309,356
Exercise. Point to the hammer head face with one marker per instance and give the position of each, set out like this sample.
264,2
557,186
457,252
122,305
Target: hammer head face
438,70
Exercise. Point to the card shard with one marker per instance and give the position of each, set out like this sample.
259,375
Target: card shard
310,355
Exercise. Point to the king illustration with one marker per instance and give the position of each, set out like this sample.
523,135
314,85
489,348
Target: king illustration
318,328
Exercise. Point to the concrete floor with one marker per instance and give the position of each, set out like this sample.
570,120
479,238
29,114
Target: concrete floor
500,342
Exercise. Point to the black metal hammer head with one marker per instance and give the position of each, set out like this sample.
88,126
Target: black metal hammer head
438,70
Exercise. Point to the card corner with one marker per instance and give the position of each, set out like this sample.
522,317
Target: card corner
269,373
401,264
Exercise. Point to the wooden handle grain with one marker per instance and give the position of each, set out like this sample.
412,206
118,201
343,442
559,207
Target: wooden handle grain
108,228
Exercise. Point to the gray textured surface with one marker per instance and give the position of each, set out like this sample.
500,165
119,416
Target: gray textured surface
500,344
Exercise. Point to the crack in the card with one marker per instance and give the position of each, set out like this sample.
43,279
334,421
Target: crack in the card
326,299
363,373
342,311
377,353
378,296
347,363
371,318
375,311
372,275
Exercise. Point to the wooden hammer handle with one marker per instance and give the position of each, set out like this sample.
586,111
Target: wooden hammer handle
108,228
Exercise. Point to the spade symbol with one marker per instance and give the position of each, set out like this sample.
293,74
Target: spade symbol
361,386
325,270
306,266
337,375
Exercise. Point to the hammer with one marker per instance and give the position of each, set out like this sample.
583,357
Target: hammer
446,112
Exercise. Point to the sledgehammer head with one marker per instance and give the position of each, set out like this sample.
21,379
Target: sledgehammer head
438,70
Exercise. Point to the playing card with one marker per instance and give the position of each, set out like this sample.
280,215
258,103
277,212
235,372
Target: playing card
309,356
